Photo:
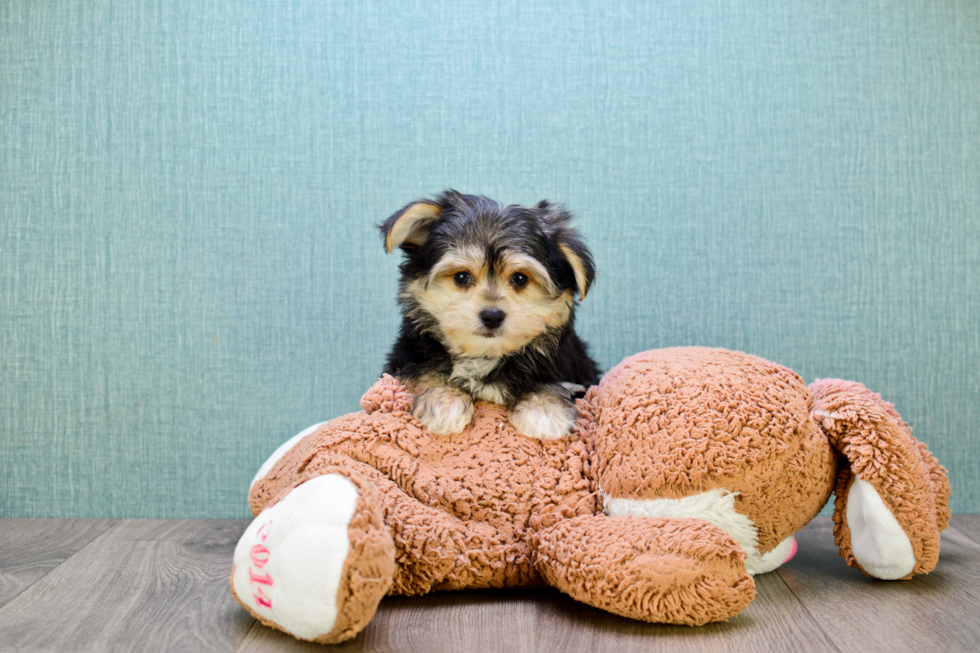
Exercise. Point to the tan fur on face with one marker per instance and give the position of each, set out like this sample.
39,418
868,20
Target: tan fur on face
531,310
469,259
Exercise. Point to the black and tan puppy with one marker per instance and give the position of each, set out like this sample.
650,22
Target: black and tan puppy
488,298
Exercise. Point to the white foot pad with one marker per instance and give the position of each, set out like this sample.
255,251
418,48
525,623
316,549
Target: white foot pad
774,559
878,542
289,561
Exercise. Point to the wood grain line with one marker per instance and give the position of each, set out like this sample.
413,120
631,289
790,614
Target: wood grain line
162,585
968,525
480,620
937,611
148,585
774,621
31,548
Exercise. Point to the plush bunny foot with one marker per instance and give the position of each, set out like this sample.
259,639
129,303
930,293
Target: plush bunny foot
892,500
878,542
316,563
773,560
678,571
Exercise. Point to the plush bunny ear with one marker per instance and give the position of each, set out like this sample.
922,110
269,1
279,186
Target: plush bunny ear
410,226
891,494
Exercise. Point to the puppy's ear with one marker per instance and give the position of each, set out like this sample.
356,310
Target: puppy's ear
410,226
572,249
579,258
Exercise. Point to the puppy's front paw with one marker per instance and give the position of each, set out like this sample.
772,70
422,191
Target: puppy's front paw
544,416
443,410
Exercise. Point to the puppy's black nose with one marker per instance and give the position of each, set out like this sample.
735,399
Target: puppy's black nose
492,317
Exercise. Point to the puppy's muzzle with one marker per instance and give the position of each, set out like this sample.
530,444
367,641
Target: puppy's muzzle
492,317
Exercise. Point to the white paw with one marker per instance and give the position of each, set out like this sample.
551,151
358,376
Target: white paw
878,542
544,417
289,561
443,410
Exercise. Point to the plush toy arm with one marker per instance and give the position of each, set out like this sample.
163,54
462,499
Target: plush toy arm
892,495
678,571
317,559
332,535
387,395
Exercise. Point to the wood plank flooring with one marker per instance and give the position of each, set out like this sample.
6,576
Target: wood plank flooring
152,585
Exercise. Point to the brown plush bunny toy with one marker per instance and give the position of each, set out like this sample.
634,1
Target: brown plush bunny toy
689,471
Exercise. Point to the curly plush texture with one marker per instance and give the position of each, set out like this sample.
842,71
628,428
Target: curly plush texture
681,571
686,427
460,507
880,449
673,423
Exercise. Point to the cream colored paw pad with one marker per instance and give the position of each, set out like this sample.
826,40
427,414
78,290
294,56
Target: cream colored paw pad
443,411
878,542
774,559
543,417
289,561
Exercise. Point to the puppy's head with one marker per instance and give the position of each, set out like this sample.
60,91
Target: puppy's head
486,279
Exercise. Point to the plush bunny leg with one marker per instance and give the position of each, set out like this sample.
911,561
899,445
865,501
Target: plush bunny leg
938,479
437,551
679,571
316,562
434,549
892,501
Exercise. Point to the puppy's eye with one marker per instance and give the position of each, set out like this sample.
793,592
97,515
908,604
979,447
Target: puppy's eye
463,279
519,279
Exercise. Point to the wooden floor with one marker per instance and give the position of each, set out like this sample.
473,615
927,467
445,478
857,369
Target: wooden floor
138,585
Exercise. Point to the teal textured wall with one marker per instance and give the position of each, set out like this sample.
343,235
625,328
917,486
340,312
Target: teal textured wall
189,273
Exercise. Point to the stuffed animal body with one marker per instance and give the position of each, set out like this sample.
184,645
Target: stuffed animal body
688,472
